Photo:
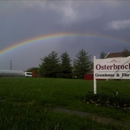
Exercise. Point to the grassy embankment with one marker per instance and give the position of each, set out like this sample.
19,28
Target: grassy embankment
25,103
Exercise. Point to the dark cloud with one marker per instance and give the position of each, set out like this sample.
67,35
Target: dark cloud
106,22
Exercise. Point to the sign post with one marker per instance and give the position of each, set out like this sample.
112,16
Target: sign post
95,84
111,68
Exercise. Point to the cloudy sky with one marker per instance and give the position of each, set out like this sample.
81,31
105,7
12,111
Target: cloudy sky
69,25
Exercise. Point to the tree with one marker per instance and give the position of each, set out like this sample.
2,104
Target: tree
102,55
66,70
36,69
50,65
82,63
125,53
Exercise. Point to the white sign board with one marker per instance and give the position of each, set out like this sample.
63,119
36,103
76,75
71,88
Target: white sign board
112,68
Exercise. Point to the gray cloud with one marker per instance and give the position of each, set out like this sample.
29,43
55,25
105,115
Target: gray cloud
119,24
22,20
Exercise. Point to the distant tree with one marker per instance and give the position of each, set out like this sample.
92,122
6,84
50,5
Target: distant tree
102,55
50,65
66,70
82,63
125,53
36,69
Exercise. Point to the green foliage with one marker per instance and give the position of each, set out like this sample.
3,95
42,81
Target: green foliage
102,55
125,52
50,65
66,71
82,63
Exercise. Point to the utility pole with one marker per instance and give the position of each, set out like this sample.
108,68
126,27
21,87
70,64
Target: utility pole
10,64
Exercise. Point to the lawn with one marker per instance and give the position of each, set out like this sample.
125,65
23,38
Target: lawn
28,103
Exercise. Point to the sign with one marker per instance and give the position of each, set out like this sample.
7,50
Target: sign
111,68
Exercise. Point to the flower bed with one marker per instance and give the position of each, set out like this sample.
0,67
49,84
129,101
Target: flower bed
112,101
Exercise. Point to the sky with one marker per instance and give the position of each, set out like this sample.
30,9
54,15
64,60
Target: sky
31,29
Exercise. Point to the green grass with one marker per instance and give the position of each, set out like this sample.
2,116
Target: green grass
28,101
19,117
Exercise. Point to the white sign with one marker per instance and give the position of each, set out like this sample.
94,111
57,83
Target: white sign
112,68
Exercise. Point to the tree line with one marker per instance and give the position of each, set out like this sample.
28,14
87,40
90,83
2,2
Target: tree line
53,66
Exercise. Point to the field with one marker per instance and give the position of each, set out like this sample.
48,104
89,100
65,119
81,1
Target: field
27,103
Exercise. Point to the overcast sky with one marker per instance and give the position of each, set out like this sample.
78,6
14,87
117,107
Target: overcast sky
98,26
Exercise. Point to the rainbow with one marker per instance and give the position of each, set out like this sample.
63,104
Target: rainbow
58,35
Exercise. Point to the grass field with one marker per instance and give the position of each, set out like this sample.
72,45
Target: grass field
26,103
